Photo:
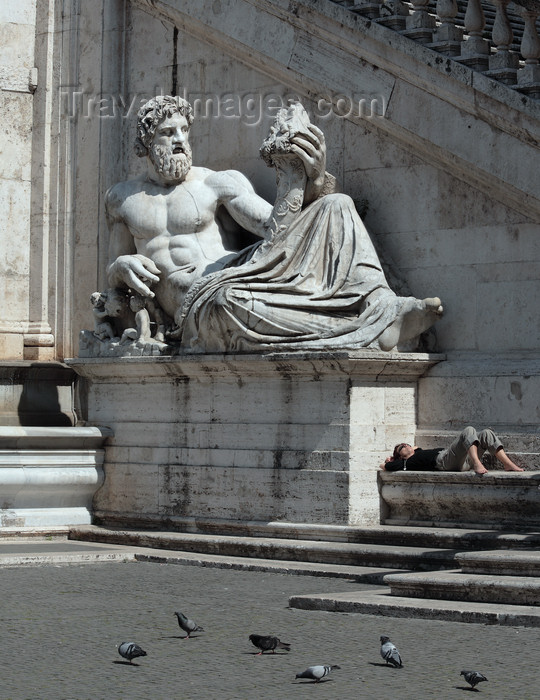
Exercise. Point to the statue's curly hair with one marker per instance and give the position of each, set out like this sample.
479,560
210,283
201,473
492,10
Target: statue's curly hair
153,113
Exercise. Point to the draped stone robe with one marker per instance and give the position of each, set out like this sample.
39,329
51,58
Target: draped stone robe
314,285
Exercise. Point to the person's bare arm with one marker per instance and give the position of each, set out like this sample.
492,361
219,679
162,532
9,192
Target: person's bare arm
126,267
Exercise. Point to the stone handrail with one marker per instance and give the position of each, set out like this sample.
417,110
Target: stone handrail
458,29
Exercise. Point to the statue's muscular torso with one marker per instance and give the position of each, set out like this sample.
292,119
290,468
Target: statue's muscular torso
176,226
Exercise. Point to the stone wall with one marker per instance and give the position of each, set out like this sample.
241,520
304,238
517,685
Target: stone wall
442,169
288,437
444,222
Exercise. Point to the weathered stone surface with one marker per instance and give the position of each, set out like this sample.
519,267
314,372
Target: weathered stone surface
289,437
500,563
496,499
378,602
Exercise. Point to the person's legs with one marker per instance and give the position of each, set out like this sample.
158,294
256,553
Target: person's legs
474,461
453,458
490,442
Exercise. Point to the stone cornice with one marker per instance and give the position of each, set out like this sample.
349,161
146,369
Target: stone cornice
362,364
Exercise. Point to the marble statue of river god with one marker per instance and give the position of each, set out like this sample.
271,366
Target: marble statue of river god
178,265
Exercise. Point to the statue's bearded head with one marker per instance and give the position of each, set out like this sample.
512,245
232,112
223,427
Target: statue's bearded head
171,156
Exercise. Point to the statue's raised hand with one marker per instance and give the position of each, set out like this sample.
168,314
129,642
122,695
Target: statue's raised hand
134,271
310,146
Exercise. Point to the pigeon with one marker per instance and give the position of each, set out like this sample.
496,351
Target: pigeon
268,643
187,625
390,653
130,650
473,678
316,672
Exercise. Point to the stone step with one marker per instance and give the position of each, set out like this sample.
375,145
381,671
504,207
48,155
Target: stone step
342,553
57,551
380,602
455,585
360,574
500,562
18,534
397,535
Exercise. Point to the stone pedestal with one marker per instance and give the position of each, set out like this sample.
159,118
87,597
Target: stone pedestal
285,437
48,476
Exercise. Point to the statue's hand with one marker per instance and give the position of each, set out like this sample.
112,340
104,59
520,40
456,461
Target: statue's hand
310,147
133,271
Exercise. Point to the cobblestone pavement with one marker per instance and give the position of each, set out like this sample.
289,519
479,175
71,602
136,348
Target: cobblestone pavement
60,626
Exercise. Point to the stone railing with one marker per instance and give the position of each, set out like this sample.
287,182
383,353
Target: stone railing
498,37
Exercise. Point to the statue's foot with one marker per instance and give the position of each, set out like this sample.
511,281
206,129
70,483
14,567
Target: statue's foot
415,317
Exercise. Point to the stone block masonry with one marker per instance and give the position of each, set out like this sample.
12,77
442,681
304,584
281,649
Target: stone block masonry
292,437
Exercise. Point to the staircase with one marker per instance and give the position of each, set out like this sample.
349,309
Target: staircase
485,576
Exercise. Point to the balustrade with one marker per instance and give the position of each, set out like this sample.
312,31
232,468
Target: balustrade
529,76
469,46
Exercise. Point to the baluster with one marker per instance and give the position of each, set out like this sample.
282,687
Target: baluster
447,37
475,49
367,8
529,76
504,64
420,24
394,14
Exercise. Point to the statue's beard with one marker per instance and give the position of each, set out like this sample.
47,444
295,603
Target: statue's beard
171,166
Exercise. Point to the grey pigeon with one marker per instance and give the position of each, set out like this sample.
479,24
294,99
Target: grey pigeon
473,678
187,625
130,650
316,672
268,643
390,653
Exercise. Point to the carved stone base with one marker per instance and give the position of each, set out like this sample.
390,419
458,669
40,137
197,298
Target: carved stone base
280,437
48,476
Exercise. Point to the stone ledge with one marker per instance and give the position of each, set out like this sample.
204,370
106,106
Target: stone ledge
530,479
30,438
310,365
498,500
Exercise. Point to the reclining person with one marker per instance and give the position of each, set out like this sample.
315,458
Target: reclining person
463,454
